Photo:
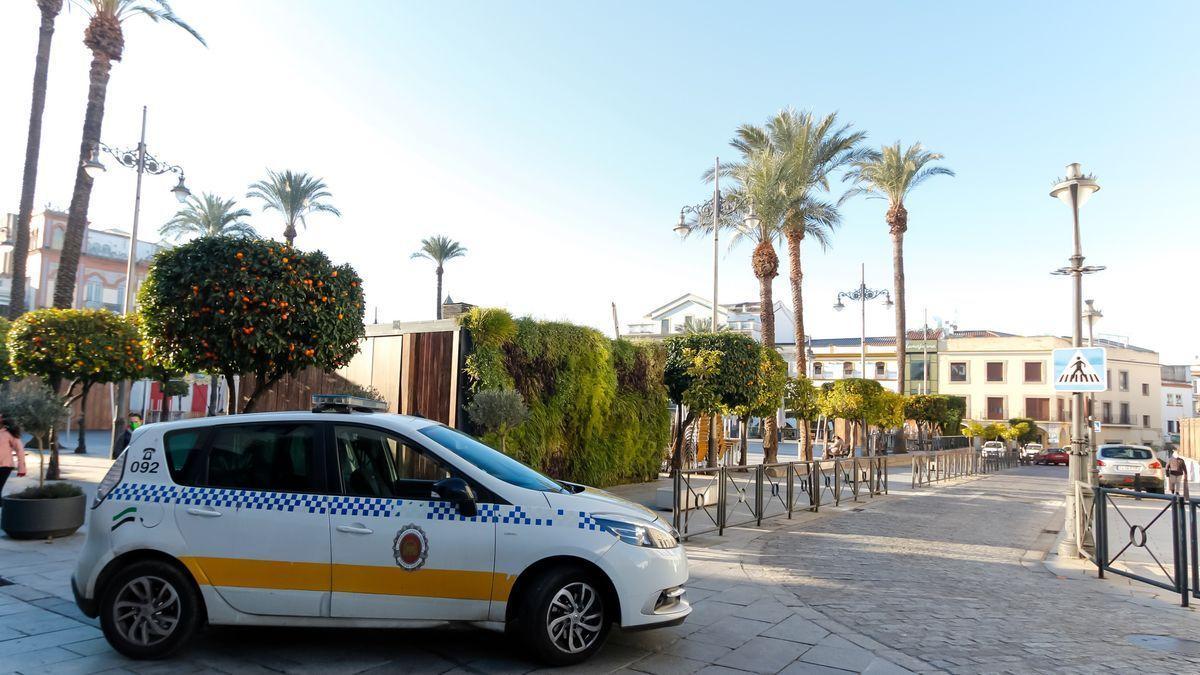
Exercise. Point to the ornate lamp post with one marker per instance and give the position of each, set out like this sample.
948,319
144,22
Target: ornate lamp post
144,163
861,295
1074,190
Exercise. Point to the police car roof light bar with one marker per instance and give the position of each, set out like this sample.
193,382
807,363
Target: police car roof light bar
344,403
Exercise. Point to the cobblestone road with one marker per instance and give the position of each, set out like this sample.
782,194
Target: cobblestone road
941,577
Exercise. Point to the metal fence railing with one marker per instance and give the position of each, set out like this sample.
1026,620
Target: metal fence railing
712,499
1145,536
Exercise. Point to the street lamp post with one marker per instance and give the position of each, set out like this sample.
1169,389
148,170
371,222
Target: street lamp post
1074,190
861,295
721,207
144,163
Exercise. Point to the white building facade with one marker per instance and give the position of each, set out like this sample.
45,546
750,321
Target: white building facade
1178,399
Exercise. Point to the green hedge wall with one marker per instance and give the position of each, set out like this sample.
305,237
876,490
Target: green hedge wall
597,407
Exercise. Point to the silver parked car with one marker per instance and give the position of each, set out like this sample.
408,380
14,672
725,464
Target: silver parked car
992,450
1129,466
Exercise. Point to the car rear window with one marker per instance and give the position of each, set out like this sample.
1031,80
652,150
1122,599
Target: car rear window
183,453
1122,452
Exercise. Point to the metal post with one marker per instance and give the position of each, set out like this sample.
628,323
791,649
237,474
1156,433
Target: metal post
122,389
716,216
791,486
758,493
1077,462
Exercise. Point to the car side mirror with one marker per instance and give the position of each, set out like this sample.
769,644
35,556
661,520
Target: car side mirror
457,491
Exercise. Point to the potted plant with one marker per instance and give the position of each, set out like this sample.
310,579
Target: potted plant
47,509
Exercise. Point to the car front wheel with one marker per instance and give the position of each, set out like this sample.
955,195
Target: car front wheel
564,618
149,610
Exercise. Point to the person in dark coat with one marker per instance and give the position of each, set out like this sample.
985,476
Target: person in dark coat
135,421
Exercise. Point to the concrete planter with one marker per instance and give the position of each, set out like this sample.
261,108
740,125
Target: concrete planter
42,518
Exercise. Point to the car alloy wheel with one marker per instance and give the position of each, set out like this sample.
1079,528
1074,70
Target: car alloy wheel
575,618
146,611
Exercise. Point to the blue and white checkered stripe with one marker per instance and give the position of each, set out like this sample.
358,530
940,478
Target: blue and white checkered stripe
488,513
587,522
142,492
363,506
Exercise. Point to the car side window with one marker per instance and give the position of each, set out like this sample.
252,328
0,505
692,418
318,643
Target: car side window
375,463
183,454
268,457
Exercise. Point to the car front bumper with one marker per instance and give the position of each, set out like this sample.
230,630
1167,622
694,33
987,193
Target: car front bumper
649,584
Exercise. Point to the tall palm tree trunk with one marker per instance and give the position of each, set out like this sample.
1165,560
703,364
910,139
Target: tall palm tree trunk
766,268
897,218
289,233
93,119
438,299
796,277
33,145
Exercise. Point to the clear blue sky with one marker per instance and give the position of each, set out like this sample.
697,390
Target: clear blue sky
557,141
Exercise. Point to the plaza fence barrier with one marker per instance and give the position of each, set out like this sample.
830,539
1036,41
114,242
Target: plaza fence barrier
933,467
1153,534
710,499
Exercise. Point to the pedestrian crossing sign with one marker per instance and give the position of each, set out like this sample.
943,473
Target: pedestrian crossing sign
1080,369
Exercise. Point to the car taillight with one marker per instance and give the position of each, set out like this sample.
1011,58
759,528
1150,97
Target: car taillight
110,480
1099,462
1155,465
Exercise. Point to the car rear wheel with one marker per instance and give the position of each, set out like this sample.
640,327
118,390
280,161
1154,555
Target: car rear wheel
564,618
149,610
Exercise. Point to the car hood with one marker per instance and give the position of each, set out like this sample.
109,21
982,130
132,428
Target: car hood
591,500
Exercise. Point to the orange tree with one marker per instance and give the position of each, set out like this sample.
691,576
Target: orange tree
78,347
237,306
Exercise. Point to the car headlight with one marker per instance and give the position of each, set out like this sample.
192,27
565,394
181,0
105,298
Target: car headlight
637,533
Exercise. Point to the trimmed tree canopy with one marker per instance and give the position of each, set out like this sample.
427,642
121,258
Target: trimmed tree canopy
725,365
234,306
85,346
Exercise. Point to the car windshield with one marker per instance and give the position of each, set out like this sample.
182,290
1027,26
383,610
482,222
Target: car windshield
495,463
1125,452
992,444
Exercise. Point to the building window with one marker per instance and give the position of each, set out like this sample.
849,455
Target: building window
1106,412
958,371
1145,389
847,369
93,294
1038,408
1123,379
1033,371
56,239
1124,414
879,369
995,371
995,407
916,371
1172,426
1146,421
816,368
1064,411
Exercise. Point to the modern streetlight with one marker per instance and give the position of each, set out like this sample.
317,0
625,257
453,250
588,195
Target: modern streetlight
142,162
1074,190
722,207
861,295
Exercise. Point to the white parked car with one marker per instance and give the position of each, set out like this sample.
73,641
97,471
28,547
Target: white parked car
1129,466
362,520
992,449
1031,451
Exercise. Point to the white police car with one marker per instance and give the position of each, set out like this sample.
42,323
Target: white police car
362,520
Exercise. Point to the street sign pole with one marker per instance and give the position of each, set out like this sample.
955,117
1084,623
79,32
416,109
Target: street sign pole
1078,370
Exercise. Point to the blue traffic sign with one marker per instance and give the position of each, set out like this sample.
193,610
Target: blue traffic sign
1080,369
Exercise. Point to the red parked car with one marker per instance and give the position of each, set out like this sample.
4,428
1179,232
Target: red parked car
1053,456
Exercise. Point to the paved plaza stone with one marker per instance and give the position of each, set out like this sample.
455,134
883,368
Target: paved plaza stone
940,579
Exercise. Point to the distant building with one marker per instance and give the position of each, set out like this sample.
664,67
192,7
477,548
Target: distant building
100,281
1178,399
692,312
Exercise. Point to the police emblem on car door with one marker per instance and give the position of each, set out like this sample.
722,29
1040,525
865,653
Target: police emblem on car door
399,551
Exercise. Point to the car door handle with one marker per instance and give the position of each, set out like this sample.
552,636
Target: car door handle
206,513
355,529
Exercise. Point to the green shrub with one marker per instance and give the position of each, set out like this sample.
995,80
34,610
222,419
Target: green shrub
597,409
497,411
49,491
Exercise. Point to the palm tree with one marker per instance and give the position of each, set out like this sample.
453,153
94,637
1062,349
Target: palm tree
812,149
440,249
104,37
33,145
295,195
762,176
890,174
208,216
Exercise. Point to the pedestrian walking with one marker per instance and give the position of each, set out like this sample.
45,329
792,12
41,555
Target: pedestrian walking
1177,476
10,448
